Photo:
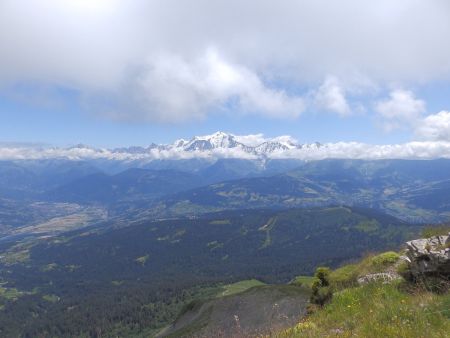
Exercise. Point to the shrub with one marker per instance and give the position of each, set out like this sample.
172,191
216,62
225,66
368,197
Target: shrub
384,259
321,290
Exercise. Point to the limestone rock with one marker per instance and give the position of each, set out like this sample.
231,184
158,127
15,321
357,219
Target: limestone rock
429,256
384,277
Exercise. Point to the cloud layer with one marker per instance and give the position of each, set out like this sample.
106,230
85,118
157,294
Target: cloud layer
344,150
174,60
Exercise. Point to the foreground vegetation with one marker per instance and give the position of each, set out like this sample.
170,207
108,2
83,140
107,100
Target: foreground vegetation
401,308
378,310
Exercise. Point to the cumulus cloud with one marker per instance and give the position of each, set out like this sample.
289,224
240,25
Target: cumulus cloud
435,127
401,110
172,89
331,96
103,48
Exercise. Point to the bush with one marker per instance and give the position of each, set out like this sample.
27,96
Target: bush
321,290
386,258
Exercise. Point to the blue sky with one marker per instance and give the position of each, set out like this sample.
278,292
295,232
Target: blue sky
23,122
118,73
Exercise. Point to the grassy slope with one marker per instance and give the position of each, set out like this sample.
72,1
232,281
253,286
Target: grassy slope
238,287
376,310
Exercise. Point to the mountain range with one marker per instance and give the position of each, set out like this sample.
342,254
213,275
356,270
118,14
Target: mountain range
227,145
124,243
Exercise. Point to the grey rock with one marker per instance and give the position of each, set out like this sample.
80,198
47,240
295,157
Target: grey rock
384,277
429,256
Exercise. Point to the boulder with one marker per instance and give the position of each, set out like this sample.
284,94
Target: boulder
429,256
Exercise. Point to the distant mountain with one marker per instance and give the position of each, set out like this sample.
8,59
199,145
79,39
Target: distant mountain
221,145
214,146
418,191
129,185
221,141
28,178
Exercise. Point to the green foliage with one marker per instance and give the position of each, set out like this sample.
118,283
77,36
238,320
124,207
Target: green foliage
385,259
323,274
345,276
378,311
81,267
305,281
321,290
444,305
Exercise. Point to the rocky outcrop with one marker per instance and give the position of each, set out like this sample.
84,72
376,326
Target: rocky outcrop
429,256
384,277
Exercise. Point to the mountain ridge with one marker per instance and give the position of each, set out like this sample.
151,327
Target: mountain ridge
228,145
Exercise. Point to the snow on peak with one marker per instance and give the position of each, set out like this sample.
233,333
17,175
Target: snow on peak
226,145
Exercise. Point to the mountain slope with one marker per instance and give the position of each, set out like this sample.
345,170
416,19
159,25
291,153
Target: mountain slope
413,190
118,276
131,184
257,311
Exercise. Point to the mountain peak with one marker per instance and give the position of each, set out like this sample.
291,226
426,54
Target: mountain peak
214,141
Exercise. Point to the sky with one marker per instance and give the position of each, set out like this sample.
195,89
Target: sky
115,73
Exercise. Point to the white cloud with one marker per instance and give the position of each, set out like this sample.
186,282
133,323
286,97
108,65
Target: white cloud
331,96
401,110
104,48
339,150
252,140
435,127
172,89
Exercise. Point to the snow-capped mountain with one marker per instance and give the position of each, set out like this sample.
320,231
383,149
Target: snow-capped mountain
221,140
214,141
229,146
